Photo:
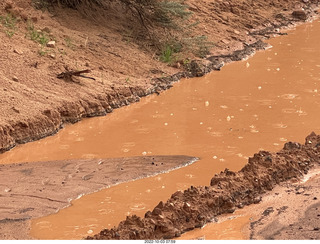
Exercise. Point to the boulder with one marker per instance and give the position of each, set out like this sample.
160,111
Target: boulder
300,14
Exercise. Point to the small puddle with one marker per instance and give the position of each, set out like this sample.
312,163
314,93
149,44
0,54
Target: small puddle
222,118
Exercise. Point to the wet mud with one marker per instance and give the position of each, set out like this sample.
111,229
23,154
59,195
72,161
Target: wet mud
197,206
31,190
290,212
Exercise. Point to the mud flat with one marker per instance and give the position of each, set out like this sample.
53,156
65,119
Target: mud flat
31,190
197,206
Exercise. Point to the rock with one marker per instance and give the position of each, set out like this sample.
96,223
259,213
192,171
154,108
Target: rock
15,78
198,68
299,14
18,51
231,210
292,145
51,44
256,200
240,205
156,211
225,41
16,110
235,11
46,29
186,206
147,214
160,205
177,195
160,216
177,65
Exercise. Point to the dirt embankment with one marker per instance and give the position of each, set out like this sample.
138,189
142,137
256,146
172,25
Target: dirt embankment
290,212
228,190
35,103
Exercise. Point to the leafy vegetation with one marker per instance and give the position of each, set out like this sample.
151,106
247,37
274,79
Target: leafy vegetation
198,45
9,23
37,35
167,55
163,25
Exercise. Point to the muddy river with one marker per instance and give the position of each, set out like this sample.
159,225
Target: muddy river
222,118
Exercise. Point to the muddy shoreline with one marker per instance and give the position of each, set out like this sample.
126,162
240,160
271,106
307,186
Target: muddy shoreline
52,119
197,206
290,212
38,189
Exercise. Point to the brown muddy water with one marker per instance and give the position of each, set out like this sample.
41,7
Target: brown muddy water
222,118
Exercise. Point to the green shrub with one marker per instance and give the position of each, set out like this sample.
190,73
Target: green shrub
166,55
160,22
198,45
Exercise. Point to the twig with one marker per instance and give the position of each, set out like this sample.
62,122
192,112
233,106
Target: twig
68,75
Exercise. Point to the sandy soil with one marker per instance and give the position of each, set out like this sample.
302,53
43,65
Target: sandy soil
31,190
35,103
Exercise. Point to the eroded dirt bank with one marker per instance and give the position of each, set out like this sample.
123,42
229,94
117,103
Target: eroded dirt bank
31,190
228,190
35,103
290,212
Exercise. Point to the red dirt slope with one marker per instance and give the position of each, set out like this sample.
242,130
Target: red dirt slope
35,103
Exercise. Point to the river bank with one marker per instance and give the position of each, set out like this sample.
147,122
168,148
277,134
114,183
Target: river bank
197,206
36,104
288,212
83,89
